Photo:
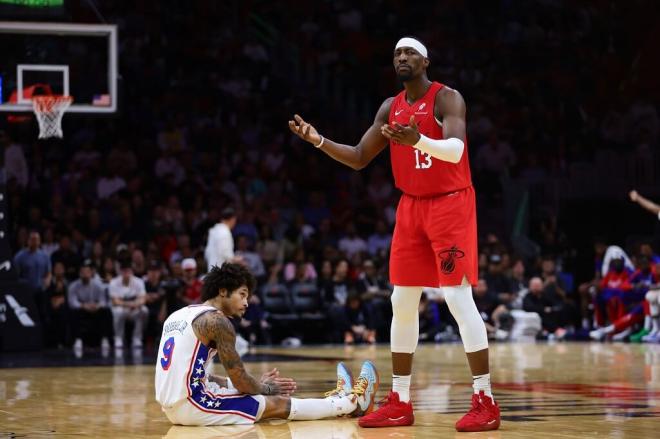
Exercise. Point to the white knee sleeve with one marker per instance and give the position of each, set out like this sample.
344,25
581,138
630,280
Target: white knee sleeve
653,297
462,307
405,319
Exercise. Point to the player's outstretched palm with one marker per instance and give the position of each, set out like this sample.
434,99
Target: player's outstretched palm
304,130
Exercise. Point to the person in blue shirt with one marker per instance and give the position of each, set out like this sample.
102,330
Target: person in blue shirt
32,263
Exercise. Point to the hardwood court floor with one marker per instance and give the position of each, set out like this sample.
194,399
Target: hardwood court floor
545,391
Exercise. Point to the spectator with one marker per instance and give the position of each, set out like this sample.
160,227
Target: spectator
14,161
497,280
192,286
487,302
128,297
609,304
90,309
291,268
220,243
250,257
375,294
68,257
379,241
155,300
335,294
33,266
550,307
56,323
430,323
360,327
351,243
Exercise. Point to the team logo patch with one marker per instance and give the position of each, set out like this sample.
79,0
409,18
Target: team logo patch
448,259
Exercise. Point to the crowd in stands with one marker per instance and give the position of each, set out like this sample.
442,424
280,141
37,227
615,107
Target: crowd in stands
112,223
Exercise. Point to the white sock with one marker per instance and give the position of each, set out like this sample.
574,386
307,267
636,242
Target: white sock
648,321
313,409
482,382
401,385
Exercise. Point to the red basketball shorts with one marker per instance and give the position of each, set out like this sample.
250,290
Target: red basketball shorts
435,240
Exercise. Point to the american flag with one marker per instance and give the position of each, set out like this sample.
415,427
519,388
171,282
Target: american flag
101,100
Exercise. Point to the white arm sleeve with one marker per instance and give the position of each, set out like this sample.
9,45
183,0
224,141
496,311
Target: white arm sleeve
449,150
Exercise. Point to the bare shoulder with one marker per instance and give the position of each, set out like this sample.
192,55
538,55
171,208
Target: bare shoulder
449,101
213,328
383,114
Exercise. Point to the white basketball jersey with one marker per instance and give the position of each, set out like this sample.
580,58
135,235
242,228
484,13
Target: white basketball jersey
182,358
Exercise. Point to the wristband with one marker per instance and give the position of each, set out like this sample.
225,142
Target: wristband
321,143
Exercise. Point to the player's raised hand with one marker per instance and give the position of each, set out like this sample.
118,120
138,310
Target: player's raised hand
304,130
403,134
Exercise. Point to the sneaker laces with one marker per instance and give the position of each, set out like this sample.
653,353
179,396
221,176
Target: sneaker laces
337,390
360,386
389,399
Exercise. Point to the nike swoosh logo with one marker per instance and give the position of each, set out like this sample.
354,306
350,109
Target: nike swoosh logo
492,422
396,113
396,419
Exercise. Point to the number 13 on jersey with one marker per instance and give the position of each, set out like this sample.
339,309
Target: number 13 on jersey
426,160
168,350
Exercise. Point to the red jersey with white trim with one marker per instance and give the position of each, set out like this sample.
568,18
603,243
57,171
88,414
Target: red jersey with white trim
415,172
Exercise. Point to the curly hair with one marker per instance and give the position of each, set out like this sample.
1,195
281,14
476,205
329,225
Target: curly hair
229,277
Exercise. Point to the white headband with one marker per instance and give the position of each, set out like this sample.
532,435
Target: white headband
411,42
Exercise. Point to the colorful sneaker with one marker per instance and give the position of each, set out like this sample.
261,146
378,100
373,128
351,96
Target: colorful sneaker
483,416
390,413
637,337
365,388
344,382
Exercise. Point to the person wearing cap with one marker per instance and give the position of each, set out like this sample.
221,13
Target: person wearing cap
435,237
128,296
220,242
90,309
192,290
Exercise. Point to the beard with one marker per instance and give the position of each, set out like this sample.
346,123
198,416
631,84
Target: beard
405,75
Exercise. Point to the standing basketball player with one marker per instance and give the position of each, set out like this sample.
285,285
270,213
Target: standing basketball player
435,238
191,337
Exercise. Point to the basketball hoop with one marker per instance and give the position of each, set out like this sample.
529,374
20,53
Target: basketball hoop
49,111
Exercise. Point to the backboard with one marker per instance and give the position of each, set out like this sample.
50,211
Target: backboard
79,60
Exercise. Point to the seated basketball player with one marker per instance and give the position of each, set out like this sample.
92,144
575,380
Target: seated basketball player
193,335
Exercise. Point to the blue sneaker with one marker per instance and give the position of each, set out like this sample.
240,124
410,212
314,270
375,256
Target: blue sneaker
365,388
344,382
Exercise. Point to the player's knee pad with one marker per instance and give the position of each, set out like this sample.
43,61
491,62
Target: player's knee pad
405,319
462,307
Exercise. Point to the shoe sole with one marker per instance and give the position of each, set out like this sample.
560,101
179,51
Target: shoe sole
493,426
407,421
372,402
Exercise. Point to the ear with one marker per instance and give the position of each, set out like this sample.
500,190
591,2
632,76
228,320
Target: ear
222,292
427,62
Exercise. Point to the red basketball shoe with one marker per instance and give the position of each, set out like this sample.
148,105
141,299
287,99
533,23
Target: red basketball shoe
391,413
483,416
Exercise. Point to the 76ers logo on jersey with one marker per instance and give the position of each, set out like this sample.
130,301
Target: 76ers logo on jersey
448,259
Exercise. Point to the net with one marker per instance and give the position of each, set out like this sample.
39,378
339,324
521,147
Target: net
49,111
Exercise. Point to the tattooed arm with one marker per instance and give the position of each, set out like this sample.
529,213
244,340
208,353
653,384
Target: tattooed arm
216,331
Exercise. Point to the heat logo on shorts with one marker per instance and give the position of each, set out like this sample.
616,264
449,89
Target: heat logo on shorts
448,259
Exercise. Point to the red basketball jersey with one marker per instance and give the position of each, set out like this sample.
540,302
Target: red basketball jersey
415,172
